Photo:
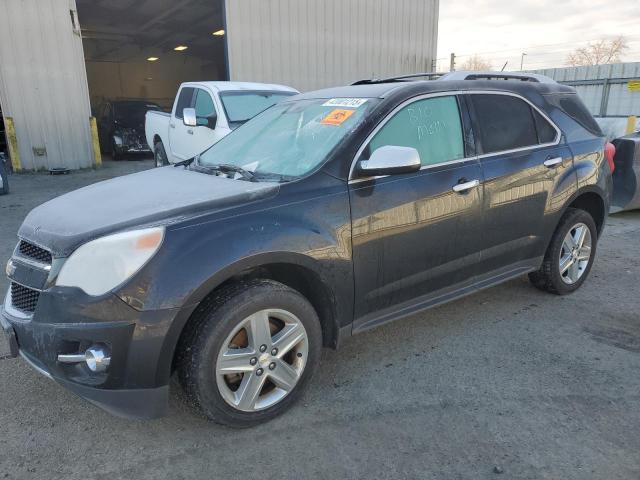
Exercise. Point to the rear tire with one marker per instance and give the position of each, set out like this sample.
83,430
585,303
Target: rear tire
160,155
270,365
570,254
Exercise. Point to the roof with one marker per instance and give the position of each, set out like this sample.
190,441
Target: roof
384,90
236,86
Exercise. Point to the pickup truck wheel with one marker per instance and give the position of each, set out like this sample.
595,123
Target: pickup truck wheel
252,349
570,254
160,155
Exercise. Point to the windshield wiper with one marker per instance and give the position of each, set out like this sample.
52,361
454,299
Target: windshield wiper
228,168
185,163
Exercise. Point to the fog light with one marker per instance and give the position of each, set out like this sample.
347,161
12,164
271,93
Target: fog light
97,358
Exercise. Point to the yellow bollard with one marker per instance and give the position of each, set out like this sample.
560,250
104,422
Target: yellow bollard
12,142
96,143
631,124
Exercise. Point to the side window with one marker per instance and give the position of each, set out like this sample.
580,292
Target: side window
184,100
505,122
432,126
204,104
546,132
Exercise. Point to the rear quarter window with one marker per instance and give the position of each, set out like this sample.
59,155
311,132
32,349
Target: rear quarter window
572,106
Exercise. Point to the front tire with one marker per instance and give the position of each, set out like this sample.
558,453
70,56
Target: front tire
250,352
570,254
160,155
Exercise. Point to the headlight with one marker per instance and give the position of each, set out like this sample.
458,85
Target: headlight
103,264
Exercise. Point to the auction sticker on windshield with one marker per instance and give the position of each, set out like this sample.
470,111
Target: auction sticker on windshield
345,102
337,116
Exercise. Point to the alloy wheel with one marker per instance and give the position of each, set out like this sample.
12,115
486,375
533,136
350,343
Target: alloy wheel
575,253
262,360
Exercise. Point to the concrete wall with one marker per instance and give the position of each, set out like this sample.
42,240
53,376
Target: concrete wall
154,81
43,83
311,44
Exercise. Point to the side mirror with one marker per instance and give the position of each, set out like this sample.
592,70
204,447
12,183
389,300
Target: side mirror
209,122
390,160
189,117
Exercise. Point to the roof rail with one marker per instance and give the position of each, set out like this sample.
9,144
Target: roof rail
471,75
399,78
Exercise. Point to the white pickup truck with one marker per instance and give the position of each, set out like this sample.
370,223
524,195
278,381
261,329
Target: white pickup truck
205,112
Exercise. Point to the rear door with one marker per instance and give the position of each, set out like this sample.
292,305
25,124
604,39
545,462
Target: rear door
180,140
413,235
528,177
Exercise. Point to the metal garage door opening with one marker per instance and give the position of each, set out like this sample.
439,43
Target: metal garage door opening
144,50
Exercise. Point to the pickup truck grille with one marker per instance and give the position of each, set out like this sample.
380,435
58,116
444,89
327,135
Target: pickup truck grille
29,250
24,298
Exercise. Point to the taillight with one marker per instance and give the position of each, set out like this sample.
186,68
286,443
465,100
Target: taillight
609,153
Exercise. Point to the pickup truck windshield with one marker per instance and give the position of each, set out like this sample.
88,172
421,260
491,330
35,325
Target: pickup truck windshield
242,106
289,139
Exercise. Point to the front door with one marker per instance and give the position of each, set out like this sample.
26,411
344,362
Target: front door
204,135
414,236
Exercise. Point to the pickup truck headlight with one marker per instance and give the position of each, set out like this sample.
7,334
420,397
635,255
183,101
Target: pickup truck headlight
105,263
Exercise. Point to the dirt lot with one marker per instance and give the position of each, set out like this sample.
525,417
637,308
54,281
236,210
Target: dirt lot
507,383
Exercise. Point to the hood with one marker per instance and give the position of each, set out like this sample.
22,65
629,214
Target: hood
154,196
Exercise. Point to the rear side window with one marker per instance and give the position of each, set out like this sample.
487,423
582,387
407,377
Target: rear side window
505,122
432,126
184,100
546,132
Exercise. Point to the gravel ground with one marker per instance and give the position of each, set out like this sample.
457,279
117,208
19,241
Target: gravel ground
506,383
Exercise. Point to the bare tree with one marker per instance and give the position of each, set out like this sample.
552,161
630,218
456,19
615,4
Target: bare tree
598,53
475,62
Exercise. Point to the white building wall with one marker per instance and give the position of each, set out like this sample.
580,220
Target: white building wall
43,84
311,44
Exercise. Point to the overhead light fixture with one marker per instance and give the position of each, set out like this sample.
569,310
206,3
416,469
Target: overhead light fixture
180,48
219,33
152,59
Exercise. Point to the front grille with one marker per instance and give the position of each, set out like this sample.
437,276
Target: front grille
30,250
24,298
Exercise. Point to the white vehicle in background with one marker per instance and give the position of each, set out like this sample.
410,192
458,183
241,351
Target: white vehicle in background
205,112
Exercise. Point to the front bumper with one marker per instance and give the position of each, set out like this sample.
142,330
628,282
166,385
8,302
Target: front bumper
136,382
134,147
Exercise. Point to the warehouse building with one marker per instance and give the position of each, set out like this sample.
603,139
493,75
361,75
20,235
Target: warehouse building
61,59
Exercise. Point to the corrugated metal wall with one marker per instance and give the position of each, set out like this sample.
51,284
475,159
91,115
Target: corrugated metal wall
611,80
43,83
311,44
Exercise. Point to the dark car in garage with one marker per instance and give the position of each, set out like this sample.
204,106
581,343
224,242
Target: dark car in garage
121,127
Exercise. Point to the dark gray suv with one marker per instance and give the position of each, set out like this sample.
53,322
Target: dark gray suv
328,214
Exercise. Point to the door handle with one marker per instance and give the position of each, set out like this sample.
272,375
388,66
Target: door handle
190,132
552,162
463,187
172,125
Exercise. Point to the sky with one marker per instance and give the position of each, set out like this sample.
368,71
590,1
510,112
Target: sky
546,30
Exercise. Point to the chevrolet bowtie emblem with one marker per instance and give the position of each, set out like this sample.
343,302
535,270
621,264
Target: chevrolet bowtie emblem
11,268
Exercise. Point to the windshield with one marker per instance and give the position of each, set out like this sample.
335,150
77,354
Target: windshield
243,106
290,139
131,114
